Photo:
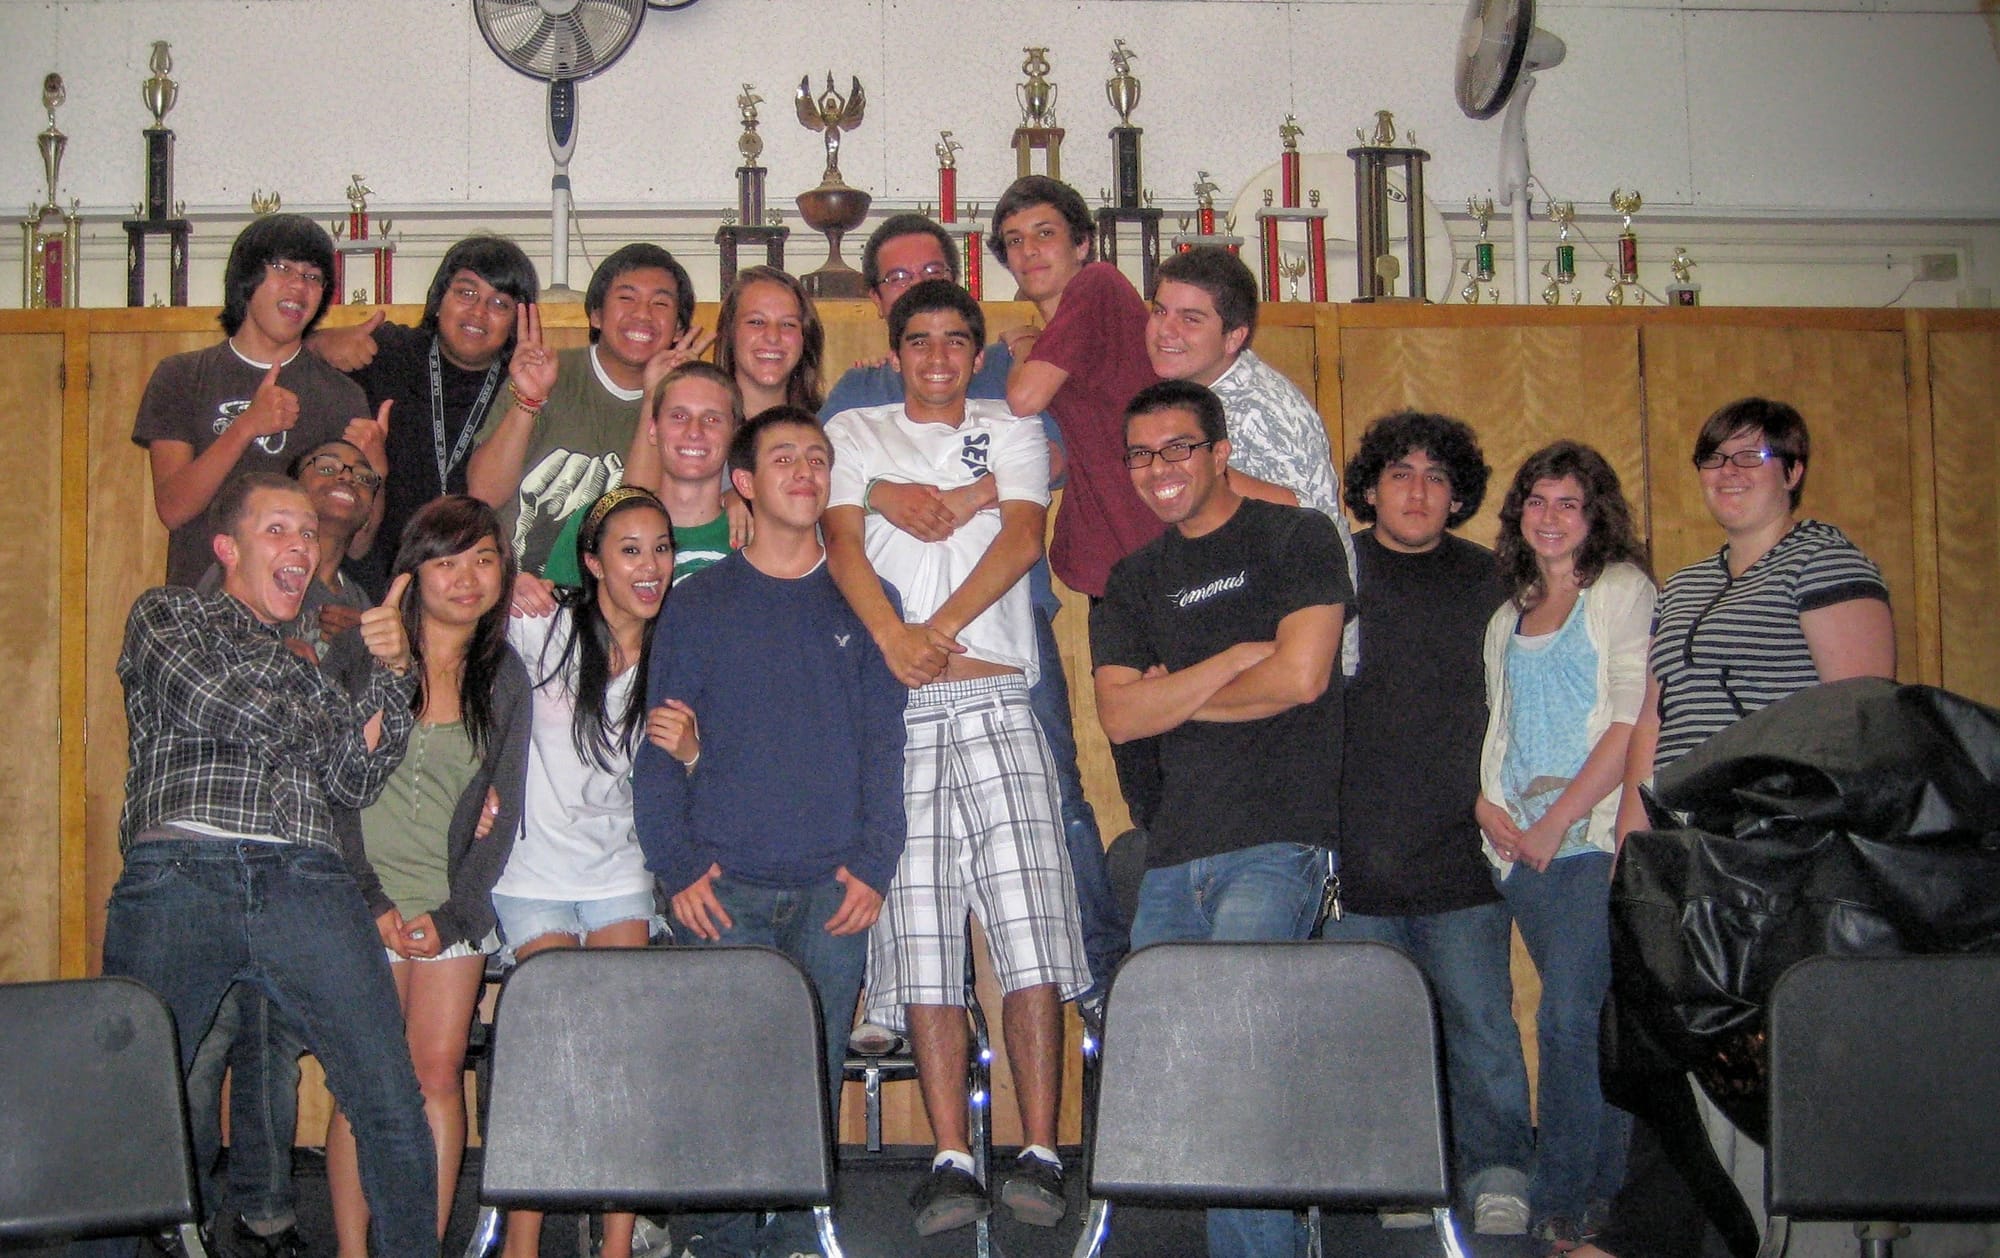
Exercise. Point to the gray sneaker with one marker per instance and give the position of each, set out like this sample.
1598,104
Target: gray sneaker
1500,1214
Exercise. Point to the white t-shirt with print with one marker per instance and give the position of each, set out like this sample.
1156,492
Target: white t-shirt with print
882,441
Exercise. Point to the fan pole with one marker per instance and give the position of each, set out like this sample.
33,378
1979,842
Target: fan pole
1514,180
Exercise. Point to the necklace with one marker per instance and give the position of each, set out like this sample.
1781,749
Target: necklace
473,417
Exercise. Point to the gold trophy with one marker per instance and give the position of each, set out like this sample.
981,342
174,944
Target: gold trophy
1626,271
1479,268
1562,214
833,208
1683,291
1038,129
748,224
51,237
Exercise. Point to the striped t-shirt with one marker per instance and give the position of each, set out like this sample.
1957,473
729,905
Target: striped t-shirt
1725,647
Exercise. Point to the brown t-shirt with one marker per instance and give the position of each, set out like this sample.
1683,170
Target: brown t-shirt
194,397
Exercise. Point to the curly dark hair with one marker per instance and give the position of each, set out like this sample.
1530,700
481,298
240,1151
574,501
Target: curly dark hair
1444,439
1613,539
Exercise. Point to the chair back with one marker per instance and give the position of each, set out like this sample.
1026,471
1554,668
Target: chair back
1270,1075
93,1121
1885,1089
657,1079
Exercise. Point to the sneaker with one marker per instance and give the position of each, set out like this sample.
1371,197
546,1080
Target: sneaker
1559,1233
235,1239
1404,1220
871,1039
1034,1193
1500,1214
948,1198
652,1240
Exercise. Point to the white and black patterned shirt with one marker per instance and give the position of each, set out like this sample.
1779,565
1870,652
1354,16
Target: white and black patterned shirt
232,731
1724,647
1275,435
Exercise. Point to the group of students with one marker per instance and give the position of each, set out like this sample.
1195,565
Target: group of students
486,696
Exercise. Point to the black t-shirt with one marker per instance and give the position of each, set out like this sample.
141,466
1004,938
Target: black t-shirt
401,373
1416,717
1177,601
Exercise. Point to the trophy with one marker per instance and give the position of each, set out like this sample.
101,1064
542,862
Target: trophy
1289,210
262,202
1128,201
1683,291
833,208
1626,271
1038,129
1204,221
1562,214
159,214
50,235
1377,154
354,238
748,223
1478,269
947,150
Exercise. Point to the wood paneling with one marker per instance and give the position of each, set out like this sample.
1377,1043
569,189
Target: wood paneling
1848,383
31,396
1965,402
1519,387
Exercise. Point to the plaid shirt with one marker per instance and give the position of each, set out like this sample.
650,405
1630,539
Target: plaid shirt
230,729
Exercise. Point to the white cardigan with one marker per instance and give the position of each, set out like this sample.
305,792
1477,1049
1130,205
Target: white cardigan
1618,618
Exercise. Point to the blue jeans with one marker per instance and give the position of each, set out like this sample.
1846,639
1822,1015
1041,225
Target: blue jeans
1464,956
1565,919
792,920
188,918
1105,939
1270,891
251,1039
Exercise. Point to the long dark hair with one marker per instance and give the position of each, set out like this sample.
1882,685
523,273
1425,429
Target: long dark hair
597,734
1612,538
803,387
452,525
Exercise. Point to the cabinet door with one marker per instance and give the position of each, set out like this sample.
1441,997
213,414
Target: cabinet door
1965,401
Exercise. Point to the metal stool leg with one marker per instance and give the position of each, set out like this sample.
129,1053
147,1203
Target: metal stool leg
486,1233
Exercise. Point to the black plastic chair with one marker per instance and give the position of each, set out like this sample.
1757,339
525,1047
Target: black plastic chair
1885,1095
93,1119
1269,1075
872,1070
659,1079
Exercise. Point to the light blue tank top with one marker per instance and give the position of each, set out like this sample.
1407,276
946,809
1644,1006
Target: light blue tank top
1551,688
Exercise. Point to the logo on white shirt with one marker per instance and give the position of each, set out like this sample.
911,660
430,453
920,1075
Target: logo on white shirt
973,453
1188,598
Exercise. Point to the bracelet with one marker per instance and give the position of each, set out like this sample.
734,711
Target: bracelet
867,492
532,405
689,766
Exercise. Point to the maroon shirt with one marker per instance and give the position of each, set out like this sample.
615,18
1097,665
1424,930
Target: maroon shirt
1098,336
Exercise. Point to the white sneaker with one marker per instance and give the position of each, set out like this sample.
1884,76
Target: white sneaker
1500,1214
1403,1220
652,1240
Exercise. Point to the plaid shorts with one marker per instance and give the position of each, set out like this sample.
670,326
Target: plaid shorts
985,833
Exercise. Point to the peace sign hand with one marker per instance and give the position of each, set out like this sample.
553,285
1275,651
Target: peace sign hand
532,369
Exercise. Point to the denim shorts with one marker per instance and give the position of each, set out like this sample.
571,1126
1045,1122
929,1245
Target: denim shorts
522,919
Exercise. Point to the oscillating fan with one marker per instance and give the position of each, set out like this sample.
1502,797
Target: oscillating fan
1499,50
562,42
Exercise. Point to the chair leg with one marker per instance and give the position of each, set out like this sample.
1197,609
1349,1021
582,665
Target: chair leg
486,1230
1447,1229
829,1244
871,1097
191,1242
1314,1242
1878,1240
1777,1235
1096,1230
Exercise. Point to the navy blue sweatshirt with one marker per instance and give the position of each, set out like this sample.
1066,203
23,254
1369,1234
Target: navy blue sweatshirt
801,727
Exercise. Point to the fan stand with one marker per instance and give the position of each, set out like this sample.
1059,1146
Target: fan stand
1544,50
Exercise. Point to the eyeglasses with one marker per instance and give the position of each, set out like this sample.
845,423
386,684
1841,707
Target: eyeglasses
499,303
313,277
899,277
1173,452
334,465
1742,458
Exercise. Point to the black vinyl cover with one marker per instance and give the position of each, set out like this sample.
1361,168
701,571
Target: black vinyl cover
1856,818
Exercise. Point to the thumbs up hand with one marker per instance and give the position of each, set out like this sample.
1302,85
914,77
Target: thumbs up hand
371,437
273,408
382,629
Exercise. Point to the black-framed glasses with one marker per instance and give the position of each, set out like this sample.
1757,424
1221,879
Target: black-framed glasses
334,465
312,275
929,271
1173,452
1742,458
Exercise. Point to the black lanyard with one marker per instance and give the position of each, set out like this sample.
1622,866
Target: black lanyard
473,417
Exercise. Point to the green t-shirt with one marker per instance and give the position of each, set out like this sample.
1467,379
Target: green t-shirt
694,549
405,830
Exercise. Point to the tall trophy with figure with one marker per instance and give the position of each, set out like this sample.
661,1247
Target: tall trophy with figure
833,208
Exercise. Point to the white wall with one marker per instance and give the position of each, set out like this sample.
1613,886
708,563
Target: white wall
1804,150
